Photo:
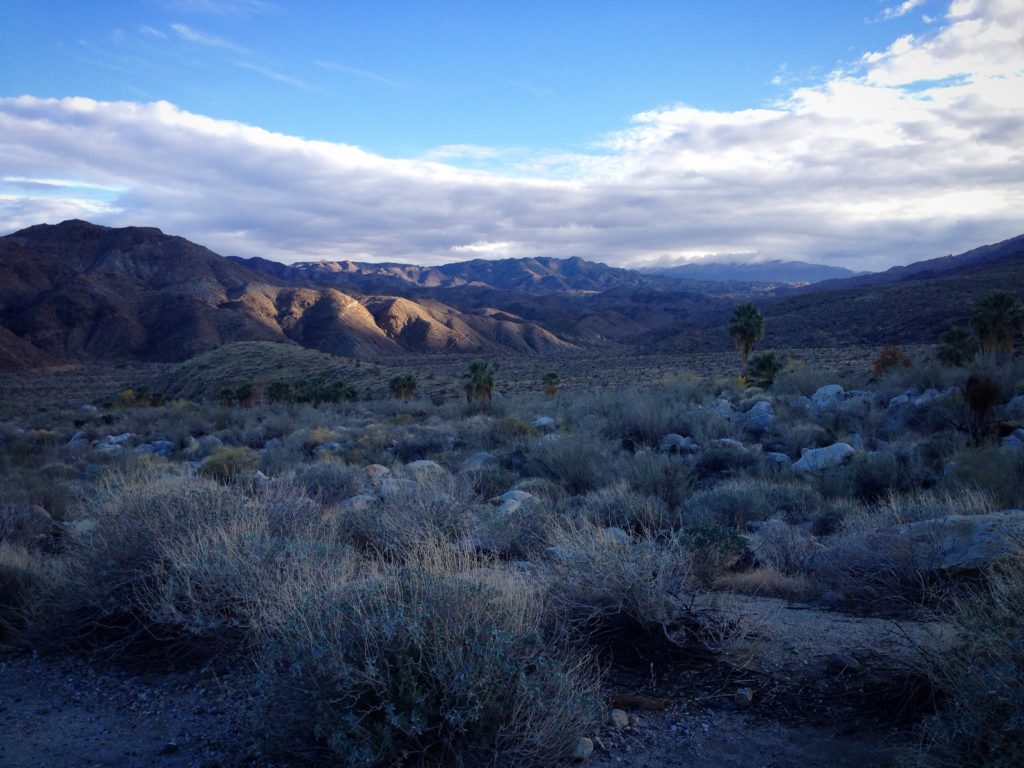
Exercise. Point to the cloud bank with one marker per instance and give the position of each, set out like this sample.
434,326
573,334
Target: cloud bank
910,152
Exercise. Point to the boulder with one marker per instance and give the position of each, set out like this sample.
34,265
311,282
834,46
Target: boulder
545,424
207,444
618,718
425,469
479,461
1014,409
78,439
392,486
951,543
145,449
163,447
817,459
110,449
828,396
777,458
673,443
360,503
583,749
121,439
1012,442
759,418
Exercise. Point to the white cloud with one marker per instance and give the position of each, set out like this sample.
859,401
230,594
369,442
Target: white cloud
902,9
186,32
916,153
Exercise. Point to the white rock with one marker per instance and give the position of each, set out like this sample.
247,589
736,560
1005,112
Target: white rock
820,458
828,395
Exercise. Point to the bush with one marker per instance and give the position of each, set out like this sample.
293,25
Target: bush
980,722
763,368
669,478
327,481
621,507
228,462
425,663
992,471
578,464
735,502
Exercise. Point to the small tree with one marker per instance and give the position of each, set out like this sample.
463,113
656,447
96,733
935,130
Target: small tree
245,395
403,386
889,358
551,383
480,383
763,369
746,329
996,320
957,347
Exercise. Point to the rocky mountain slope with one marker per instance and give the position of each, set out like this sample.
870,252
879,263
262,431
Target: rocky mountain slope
78,291
775,272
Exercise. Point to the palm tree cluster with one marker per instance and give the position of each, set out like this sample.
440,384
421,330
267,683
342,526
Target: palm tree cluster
995,322
403,386
480,383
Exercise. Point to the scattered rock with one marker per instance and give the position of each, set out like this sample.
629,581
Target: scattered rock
817,459
618,718
759,418
828,396
544,423
673,443
583,749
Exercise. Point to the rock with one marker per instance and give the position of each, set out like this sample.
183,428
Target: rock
673,443
1011,443
817,459
926,398
544,423
352,505
730,443
391,486
88,409
259,477
513,495
944,544
424,468
724,408
828,396
616,536
332,447
121,439
744,697
208,444
110,449
856,442
375,476
583,749
78,439
1014,409
145,449
479,461
163,447
899,400
551,437
799,401
777,458
618,718
759,418
634,721
562,554
949,468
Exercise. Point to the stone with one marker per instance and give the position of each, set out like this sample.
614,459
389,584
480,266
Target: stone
897,401
744,697
360,503
616,536
583,749
1014,409
777,458
817,459
759,418
1011,443
208,444
88,409
838,663
551,437
926,398
78,439
674,443
945,544
110,449
82,527
730,443
424,469
163,447
332,447
618,718
479,461
145,449
634,721
513,495
121,439
828,396
545,423
392,486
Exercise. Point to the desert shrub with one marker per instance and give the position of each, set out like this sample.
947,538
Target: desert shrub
327,481
490,480
805,434
669,478
735,502
872,476
543,489
712,549
438,507
979,723
990,470
798,378
782,547
767,582
424,664
126,566
421,443
643,417
579,465
228,462
521,533
889,358
509,428
27,579
621,507
763,368
721,462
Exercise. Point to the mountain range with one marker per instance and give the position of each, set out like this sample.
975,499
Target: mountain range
79,291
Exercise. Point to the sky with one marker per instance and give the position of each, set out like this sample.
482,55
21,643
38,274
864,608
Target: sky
861,133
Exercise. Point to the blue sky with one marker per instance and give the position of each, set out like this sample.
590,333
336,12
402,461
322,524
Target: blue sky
402,77
861,133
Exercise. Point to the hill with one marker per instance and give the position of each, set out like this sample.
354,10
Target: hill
76,290
773,272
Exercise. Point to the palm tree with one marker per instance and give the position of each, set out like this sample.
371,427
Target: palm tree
957,347
403,386
764,367
746,328
996,320
551,383
480,383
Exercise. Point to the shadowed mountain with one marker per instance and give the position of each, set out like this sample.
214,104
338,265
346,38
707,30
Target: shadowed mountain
77,290
773,272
